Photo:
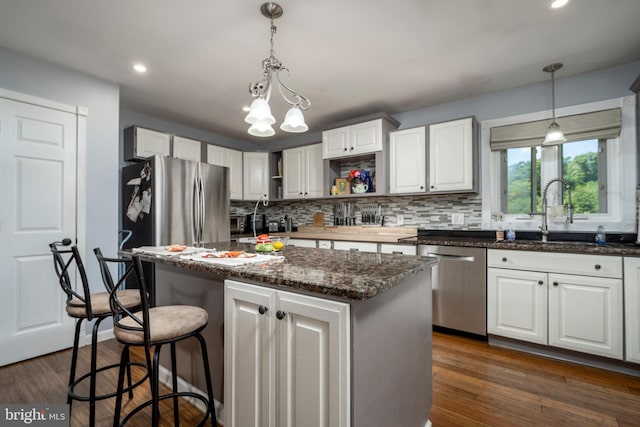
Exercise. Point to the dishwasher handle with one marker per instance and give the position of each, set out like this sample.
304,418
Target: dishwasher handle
452,257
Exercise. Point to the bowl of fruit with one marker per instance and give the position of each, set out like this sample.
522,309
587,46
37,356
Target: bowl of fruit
266,243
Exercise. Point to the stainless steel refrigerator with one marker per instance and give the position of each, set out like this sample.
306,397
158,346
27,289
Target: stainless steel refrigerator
168,201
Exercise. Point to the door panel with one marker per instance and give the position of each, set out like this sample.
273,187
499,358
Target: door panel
38,160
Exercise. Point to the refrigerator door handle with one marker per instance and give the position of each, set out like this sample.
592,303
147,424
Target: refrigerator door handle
202,211
195,213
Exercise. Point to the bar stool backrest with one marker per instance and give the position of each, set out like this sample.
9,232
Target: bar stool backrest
131,267
64,261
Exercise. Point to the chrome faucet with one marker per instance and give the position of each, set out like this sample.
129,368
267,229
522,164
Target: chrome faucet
544,226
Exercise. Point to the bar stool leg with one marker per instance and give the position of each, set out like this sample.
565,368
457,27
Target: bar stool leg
74,358
207,375
155,387
174,383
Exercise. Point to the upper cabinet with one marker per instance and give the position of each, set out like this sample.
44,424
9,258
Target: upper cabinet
452,157
302,172
407,160
233,160
188,149
140,143
255,171
354,140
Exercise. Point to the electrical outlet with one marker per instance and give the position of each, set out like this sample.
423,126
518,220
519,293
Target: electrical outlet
457,218
399,219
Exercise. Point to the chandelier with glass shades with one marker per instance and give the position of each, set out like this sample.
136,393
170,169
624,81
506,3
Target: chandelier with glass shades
260,117
554,134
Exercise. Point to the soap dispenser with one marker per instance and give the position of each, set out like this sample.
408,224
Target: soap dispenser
601,236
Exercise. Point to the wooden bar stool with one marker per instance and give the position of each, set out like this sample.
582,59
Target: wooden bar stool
87,306
154,327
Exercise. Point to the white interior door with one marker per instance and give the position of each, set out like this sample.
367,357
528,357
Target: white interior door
38,188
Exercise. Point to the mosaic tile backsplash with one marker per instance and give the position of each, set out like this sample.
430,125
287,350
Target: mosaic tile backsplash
422,211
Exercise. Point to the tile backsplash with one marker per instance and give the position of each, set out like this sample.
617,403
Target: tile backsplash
432,212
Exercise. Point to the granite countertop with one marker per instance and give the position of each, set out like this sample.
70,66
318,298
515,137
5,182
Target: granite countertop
346,274
578,247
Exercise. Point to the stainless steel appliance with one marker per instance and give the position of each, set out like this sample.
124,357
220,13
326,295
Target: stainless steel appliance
273,226
173,201
236,224
459,287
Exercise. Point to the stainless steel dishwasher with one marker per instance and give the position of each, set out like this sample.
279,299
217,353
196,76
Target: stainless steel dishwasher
459,287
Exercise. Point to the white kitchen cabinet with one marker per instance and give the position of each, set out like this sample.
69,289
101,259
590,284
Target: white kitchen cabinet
188,149
360,246
303,172
407,161
517,304
362,138
287,358
140,143
301,243
558,299
452,156
232,159
393,248
255,168
632,308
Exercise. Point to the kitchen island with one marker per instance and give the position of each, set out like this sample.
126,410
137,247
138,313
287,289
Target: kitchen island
315,337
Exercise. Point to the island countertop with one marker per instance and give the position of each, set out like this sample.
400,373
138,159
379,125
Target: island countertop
345,274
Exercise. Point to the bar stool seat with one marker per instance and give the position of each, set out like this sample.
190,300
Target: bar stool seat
91,307
151,328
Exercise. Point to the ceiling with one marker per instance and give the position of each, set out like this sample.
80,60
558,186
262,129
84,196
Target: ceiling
350,58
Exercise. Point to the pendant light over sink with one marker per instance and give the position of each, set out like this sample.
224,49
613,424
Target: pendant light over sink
554,134
260,117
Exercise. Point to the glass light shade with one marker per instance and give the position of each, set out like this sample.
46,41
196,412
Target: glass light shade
554,135
260,112
294,121
261,128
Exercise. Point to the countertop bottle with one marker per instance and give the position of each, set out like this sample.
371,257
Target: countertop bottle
511,234
499,233
601,236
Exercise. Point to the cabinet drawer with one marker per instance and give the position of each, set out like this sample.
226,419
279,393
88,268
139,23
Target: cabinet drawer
361,246
390,248
584,265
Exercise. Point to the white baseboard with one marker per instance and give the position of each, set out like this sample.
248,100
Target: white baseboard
85,339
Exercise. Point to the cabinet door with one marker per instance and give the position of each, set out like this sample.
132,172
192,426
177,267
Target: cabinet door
313,361
585,314
313,171
292,173
302,243
407,158
188,149
233,160
632,308
255,175
335,142
517,304
250,355
150,142
451,156
360,246
366,137
392,248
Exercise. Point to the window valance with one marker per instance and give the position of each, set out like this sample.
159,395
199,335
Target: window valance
595,125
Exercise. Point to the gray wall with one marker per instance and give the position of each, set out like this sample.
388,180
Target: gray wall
32,76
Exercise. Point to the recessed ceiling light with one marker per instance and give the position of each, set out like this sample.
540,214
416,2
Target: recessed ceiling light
556,4
140,68
246,109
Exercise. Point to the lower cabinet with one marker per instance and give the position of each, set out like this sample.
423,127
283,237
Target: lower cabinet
632,308
359,246
302,243
562,300
287,358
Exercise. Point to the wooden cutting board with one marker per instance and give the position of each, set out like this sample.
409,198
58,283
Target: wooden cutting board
318,219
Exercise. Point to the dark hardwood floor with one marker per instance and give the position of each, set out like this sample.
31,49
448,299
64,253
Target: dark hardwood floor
476,385
473,385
